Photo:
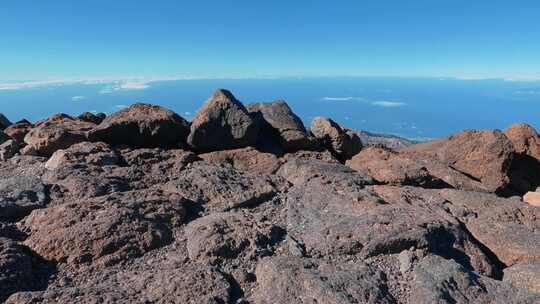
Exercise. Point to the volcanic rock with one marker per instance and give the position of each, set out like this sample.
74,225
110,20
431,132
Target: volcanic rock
16,271
525,170
142,125
278,120
57,132
105,230
293,280
532,198
393,168
222,123
19,195
245,159
19,130
98,154
483,155
524,275
8,149
3,137
343,142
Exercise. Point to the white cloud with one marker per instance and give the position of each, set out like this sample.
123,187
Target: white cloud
78,98
388,104
127,85
120,106
338,98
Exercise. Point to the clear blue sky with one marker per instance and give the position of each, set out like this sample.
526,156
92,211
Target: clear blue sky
74,38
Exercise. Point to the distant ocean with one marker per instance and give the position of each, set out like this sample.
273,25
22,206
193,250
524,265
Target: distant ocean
416,108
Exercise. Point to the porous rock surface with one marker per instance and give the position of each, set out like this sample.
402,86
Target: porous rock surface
245,207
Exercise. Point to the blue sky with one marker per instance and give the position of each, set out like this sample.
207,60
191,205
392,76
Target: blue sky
165,38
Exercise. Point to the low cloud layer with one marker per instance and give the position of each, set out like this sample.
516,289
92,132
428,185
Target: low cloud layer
377,103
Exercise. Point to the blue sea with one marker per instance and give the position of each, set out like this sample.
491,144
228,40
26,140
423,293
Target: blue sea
416,108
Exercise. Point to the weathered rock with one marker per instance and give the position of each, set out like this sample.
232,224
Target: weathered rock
343,142
98,154
221,188
524,276
16,271
437,280
222,123
91,117
525,139
245,159
484,155
223,236
19,195
4,122
279,121
532,198
164,284
293,280
393,168
19,130
57,132
8,149
299,171
106,230
142,125
323,155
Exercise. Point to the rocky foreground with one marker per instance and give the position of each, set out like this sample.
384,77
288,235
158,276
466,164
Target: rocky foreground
245,205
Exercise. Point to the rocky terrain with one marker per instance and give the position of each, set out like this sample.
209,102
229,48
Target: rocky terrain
244,204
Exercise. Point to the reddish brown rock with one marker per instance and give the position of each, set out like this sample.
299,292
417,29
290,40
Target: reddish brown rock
279,121
300,171
393,168
105,230
245,159
18,131
483,155
142,125
57,132
343,142
525,170
98,154
222,123
323,155
221,188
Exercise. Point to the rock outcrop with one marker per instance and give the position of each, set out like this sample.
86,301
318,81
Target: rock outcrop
143,126
279,123
344,143
59,131
4,122
222,123
247,208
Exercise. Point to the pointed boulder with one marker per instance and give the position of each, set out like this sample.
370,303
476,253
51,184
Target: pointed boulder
4,122
222,123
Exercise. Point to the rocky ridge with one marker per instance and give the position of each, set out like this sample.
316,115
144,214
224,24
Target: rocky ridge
246,205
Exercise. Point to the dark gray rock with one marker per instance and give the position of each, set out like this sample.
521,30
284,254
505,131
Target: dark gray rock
222,123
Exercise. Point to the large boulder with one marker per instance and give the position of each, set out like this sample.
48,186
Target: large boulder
483,155
393,168
222,123
98,154
142,125
298,281
343,142
525,170
279,121
8,149
18,130
57,132
106,230
4,122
